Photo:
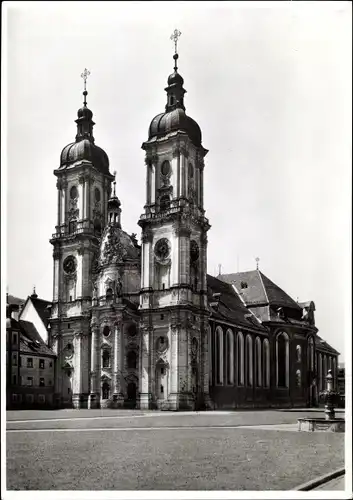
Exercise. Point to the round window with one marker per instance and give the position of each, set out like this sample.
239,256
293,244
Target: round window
162,344
97,194
73,193
165,168
106,331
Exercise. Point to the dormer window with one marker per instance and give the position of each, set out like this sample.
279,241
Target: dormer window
243,285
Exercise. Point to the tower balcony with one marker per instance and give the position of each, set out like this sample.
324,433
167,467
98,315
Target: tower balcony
84,226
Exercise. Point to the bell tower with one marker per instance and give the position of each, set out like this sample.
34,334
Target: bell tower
173,301
84,184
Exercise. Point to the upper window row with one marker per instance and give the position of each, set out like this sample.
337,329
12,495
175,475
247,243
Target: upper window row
74,194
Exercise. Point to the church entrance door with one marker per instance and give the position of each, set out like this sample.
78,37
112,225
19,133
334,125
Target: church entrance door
131,395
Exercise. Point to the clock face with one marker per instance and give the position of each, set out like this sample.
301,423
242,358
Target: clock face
165,168
70,264
162,248
194,251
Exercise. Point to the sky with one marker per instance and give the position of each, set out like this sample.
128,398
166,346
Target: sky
268,83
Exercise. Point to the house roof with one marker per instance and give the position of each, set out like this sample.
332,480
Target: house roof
11,299
31,341
228,305
321,344
41,307
256,288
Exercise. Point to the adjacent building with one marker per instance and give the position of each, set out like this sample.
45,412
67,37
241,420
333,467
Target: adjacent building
30,362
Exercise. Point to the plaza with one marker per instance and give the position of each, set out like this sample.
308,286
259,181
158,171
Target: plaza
152,450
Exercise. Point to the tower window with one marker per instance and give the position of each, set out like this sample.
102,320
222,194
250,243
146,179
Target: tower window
106,359
162,371
163,286
106,331
109,294
165,168
97,194
162,389
70,298
68,326
162,316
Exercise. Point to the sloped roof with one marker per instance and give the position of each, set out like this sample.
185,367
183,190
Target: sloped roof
11,299
41,307
31,341
259,289
321,344
229,305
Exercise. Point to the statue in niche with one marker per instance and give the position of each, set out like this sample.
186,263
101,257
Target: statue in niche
119,288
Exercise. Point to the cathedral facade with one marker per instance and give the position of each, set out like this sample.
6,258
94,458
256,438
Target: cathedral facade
144,325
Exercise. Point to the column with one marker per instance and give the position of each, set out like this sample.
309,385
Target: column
56,259
145,391
87,196
76,397
94,392
58,185
182,176
153,184
175,259
176,172
201,184
81,198
63,202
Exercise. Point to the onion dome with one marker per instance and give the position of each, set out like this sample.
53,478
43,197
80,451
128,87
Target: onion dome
84,148
174,118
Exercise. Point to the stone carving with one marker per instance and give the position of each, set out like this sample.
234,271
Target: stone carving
81,250
114,250
73,213
147,236
119,287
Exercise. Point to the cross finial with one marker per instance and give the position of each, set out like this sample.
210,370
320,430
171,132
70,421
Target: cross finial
85,75
257,263
175,36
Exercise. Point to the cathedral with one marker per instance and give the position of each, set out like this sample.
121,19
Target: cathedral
143,325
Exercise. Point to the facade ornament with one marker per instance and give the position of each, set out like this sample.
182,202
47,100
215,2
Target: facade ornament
81,179
57,252
147,236
176,152
119,287
184,152
64,183
154,159
81,250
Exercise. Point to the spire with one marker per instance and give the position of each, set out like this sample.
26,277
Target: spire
84,114
175,90
257,263
34,295
114,210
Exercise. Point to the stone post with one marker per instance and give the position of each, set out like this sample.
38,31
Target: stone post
93,400
118,397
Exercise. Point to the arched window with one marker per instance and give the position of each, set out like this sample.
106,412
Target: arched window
109,294
249,363
298,378
240,363
320,371
282,362
105,390
298,353
230,357
210,370
165,203
106,359
219,355
310,354
258,357
334,372
266,363
325,369
132,359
